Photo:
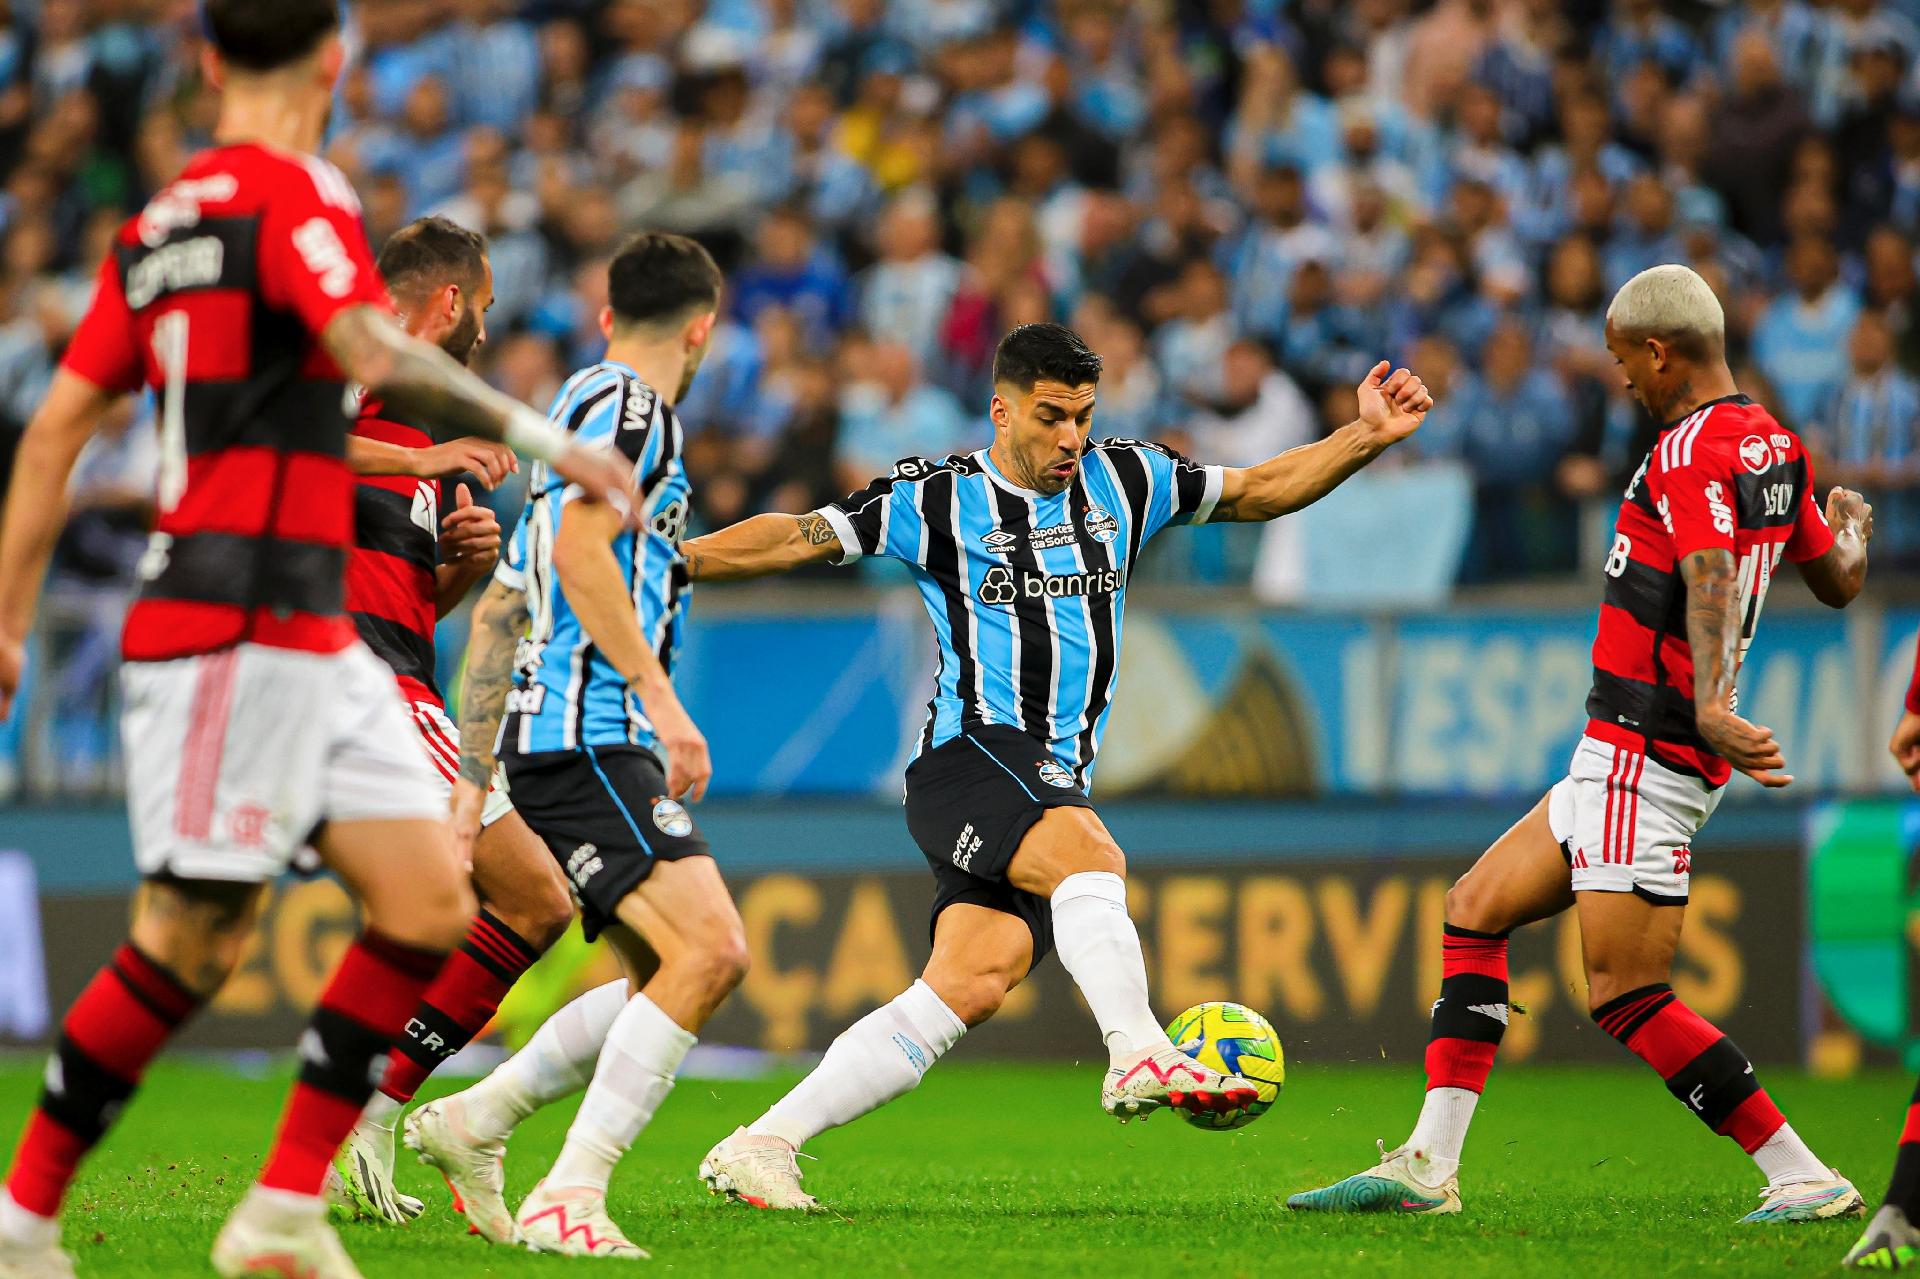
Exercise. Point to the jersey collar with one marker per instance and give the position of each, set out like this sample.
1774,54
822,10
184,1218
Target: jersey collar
1738,397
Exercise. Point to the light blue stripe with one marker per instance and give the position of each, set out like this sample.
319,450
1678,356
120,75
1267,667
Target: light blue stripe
1003,768
993,649
617,801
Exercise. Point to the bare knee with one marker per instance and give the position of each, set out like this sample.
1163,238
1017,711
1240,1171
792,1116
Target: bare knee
715,962
1607,981
972,998
197,931
1065,841
1470,904
433,915
538,917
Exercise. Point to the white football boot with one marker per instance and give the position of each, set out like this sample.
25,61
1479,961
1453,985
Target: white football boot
1394,1185
1168,1077
270,1233
475,1170
361,1179
34,1261
1808,1201
761,1171
574,1223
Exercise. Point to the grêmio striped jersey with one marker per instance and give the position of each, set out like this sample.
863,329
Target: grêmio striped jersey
1025,591
565,694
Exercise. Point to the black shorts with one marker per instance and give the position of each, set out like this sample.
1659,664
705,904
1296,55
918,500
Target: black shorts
605,816
969,804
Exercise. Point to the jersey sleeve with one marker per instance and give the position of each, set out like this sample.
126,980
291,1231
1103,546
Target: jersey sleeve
883,518
511,570
1811,538
314,259
1694,494
104,349
1179,490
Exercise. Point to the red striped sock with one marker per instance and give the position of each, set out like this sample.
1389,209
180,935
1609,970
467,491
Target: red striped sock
1470,1016
1903,1190
1703,1068
363,1007
459,1004
119,1024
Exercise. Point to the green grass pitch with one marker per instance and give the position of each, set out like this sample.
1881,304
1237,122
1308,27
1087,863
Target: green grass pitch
1000,1169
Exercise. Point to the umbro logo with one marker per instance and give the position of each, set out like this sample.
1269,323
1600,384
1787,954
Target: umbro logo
1496,1011
998,541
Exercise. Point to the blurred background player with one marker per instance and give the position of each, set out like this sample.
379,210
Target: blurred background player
1725,493
1021,552
244,295
599,753
401,579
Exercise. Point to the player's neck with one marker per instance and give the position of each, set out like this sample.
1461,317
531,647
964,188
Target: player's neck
266,112
659,364
1701,386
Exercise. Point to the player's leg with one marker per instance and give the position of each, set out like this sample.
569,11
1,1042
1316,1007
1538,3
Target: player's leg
686,917
1891,1241
1629,944
1521,878
186,937
979,954
1068,858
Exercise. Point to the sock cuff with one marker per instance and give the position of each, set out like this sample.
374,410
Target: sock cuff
1454,930
1103,885
412,961
155,985
1623,1014
645,1033
938,1024
498,946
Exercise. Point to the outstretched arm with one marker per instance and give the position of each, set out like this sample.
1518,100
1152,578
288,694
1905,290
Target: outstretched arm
489,462
1391,409
1838,576
761,546
1713,634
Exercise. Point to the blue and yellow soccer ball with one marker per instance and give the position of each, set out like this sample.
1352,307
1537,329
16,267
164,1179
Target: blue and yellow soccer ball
1235,1039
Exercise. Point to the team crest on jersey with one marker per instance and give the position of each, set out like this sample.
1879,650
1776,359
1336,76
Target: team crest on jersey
998,541
1755,455
1053,773
672,819
1101,526
426,506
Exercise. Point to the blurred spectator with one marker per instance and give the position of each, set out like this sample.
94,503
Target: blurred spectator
1870,436
1755,130
1800,342
907,294
792,272
888,413
1261,412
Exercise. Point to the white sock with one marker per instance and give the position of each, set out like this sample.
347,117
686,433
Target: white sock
287,1205
1100,949
633,1076
382,1111
557,1062
25,1228
1442,1129
1785,1159
876,1059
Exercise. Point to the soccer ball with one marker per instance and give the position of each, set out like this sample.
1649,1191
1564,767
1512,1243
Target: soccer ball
1237,1040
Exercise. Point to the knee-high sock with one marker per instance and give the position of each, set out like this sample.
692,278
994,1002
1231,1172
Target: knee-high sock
1469,1019
635,1073
458,1005
1100,948
557,1062
120,1022
1903,1191
362,1009
1709,1074
878,1058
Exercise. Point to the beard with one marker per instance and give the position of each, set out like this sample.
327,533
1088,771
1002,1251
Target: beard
462,337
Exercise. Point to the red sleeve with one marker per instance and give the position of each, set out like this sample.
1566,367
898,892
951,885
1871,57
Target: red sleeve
104,349
1811,537
314,257
1695,497
1913,685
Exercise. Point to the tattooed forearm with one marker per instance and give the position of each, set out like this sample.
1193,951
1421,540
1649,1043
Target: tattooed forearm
1713,626
755,547
499,620
415,377
816,530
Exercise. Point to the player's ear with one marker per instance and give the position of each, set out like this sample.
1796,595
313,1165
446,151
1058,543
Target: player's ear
700,330
999,411
606,323
333,59
211,69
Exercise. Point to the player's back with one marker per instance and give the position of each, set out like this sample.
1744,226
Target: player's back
214,297
568,694
390,569
1727,476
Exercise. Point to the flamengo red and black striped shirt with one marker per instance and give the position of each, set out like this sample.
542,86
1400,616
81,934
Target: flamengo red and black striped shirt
1727,475
215,296
390,570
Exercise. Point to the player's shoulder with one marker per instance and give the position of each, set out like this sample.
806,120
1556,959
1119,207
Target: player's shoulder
1142,448
918,470
1726,433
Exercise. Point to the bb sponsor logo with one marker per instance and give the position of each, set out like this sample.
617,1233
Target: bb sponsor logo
1101,526
1755,455
672,819
1053,773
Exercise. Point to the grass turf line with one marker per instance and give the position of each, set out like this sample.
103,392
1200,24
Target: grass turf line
1013,1169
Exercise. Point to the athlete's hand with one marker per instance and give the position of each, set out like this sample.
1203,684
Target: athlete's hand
1747,746
13,660
689,768
488,461
604,474
469,534
463,818
1906,747
1846,507
1393,406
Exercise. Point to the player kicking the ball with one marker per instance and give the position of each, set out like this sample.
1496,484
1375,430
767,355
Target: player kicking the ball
598,753
1022,552
1725,494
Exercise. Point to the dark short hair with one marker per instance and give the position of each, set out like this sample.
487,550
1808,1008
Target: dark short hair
430,252
1051,351
265,35
660,278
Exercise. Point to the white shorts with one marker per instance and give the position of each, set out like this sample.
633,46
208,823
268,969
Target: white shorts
236,758
1626,824
442,741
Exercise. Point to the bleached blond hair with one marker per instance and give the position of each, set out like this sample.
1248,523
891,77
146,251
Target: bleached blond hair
1670,302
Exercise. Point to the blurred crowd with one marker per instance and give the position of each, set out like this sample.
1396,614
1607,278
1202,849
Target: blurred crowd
1241,203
